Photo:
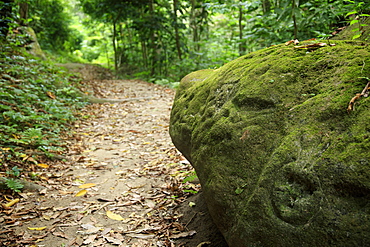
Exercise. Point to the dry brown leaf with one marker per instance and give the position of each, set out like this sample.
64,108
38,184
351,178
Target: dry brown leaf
90,239
113,240
60,234
140,236
183,235
293,41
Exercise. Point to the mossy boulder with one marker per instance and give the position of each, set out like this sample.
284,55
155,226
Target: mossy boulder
280,160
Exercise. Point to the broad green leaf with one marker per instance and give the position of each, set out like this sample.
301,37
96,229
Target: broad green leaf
353,22
356,36
351,13
239,191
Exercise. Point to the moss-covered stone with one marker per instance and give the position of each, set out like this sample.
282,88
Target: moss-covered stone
280,160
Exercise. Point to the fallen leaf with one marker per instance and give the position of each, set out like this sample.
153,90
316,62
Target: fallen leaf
113,240
81,193
11,203
204,244
43,165
183,235
293,41
60,234
85,186
37,228
89,240
141,236
114,216
50,95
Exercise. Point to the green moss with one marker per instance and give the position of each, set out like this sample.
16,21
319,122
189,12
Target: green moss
273,126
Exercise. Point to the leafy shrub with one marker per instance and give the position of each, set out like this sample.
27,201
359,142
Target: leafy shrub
37,103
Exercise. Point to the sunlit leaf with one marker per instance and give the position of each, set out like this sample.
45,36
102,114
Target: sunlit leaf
81,193
114,216
43,165
85,186
11,203
353,22
51,95
239,191
356,36
351,13
37,228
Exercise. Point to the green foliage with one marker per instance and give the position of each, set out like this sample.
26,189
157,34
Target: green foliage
11,182
37,103
14,172
190,177
52,25
358,16
168,39
14,184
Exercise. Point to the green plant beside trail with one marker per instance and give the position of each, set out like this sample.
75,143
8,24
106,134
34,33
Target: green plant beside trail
37,103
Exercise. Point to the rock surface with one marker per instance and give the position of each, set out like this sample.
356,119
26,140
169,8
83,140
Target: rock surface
280,160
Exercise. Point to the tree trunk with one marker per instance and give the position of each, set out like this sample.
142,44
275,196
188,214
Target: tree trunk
177,36
242,43
295,32
23,13
152,45
266,6
115,46
194,26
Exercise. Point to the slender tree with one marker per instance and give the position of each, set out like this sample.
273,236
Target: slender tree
6,7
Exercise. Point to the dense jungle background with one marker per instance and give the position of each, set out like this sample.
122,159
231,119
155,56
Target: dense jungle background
60,57
162,41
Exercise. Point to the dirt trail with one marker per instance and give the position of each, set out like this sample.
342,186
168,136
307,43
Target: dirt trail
121,184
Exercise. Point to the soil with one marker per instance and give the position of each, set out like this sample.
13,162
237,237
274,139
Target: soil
120,184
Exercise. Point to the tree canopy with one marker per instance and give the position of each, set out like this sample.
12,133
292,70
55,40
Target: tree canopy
163,40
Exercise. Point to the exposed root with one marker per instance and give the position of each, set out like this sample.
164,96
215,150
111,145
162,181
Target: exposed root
364,93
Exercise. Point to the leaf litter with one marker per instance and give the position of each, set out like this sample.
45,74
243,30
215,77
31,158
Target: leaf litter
119,184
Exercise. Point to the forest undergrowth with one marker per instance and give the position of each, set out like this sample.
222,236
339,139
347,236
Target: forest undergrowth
92,174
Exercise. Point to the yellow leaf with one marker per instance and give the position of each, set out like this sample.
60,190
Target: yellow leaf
11,203
43,165
51,95
85,186
37,228
81,193
114,216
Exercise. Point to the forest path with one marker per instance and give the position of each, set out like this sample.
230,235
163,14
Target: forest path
121,185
